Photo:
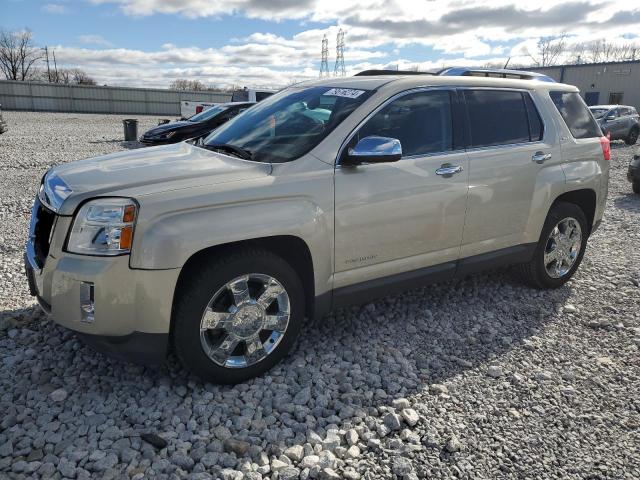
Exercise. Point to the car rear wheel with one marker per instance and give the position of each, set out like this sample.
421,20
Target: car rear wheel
237,316
560,248
632,138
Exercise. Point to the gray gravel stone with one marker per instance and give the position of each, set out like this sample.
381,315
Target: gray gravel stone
430,349
59,395
295,453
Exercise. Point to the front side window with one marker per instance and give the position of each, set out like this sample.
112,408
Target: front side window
499,117
287,125
421,121
575,114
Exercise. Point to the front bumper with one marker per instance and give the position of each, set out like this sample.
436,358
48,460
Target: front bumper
153,141
132,308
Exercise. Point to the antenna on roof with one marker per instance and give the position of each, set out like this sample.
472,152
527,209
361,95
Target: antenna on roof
324,64
507,62
339,70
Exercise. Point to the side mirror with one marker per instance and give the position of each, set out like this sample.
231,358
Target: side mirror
373,149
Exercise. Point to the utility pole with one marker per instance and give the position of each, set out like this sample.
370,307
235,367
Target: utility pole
339,70
46,53
324,63
55,65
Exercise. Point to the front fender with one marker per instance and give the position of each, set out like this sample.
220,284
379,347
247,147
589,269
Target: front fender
170,239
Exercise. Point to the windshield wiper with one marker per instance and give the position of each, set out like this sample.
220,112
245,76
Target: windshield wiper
227,147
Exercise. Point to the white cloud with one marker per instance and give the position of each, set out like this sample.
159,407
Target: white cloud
461,32
94,40
55,8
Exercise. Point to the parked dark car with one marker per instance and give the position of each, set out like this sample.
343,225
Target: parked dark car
621,122
3,124
194,127
633,174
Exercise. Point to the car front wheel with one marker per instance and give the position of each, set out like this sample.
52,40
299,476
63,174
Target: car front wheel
560,248
632,138
237,316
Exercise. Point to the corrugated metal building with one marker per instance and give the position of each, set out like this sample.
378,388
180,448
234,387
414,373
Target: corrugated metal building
52,97
601,83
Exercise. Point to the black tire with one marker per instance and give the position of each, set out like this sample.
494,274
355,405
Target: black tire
195,293
632,138
534,272
636,186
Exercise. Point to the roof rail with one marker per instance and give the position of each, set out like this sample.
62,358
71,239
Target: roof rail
369,73
495,72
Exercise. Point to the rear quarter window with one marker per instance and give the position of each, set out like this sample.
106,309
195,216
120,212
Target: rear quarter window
575,114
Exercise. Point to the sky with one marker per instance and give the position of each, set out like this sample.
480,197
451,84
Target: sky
272,43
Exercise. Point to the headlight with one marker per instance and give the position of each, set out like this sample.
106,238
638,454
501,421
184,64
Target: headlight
103,227
164,135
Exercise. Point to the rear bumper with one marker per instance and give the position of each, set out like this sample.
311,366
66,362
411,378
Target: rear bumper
633,173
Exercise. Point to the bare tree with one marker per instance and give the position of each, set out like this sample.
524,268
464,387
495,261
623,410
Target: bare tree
80,77
185,84
548,50
18,55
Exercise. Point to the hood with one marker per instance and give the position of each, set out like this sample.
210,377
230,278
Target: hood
149,170
168,127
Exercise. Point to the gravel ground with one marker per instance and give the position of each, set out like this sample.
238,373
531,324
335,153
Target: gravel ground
481,378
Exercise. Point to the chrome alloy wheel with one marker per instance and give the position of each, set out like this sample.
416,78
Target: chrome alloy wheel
563,247
245,320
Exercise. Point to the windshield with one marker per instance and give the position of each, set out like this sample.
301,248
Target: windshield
287,125
208,114
599,112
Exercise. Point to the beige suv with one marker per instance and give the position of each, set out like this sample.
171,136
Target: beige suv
325,194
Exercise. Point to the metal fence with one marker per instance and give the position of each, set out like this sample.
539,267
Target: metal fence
52,97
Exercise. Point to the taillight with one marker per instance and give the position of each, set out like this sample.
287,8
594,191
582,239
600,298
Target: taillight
606,148
199,109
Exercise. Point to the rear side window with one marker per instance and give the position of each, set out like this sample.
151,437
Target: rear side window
575,114
500,117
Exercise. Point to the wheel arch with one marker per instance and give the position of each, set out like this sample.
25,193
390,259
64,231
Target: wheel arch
290,248
584,198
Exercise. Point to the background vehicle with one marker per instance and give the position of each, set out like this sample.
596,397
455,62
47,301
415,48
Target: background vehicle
621,121
197,126
189,108
633,174
251,95
3,124
224,248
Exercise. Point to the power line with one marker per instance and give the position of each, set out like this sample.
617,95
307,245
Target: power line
339,70
324,64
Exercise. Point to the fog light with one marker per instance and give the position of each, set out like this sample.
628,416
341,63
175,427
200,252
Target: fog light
87,303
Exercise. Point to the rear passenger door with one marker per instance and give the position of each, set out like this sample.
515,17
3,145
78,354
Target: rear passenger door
508,148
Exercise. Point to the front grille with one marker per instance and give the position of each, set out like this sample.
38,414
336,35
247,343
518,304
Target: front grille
41,225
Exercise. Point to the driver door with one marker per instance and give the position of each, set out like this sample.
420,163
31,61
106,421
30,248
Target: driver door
404,216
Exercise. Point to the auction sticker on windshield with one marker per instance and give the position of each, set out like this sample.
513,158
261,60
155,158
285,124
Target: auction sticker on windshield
344,92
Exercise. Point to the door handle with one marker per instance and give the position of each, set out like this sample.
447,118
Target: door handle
541,157
448,170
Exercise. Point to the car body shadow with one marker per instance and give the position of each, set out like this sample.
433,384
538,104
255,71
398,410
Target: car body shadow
352,365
